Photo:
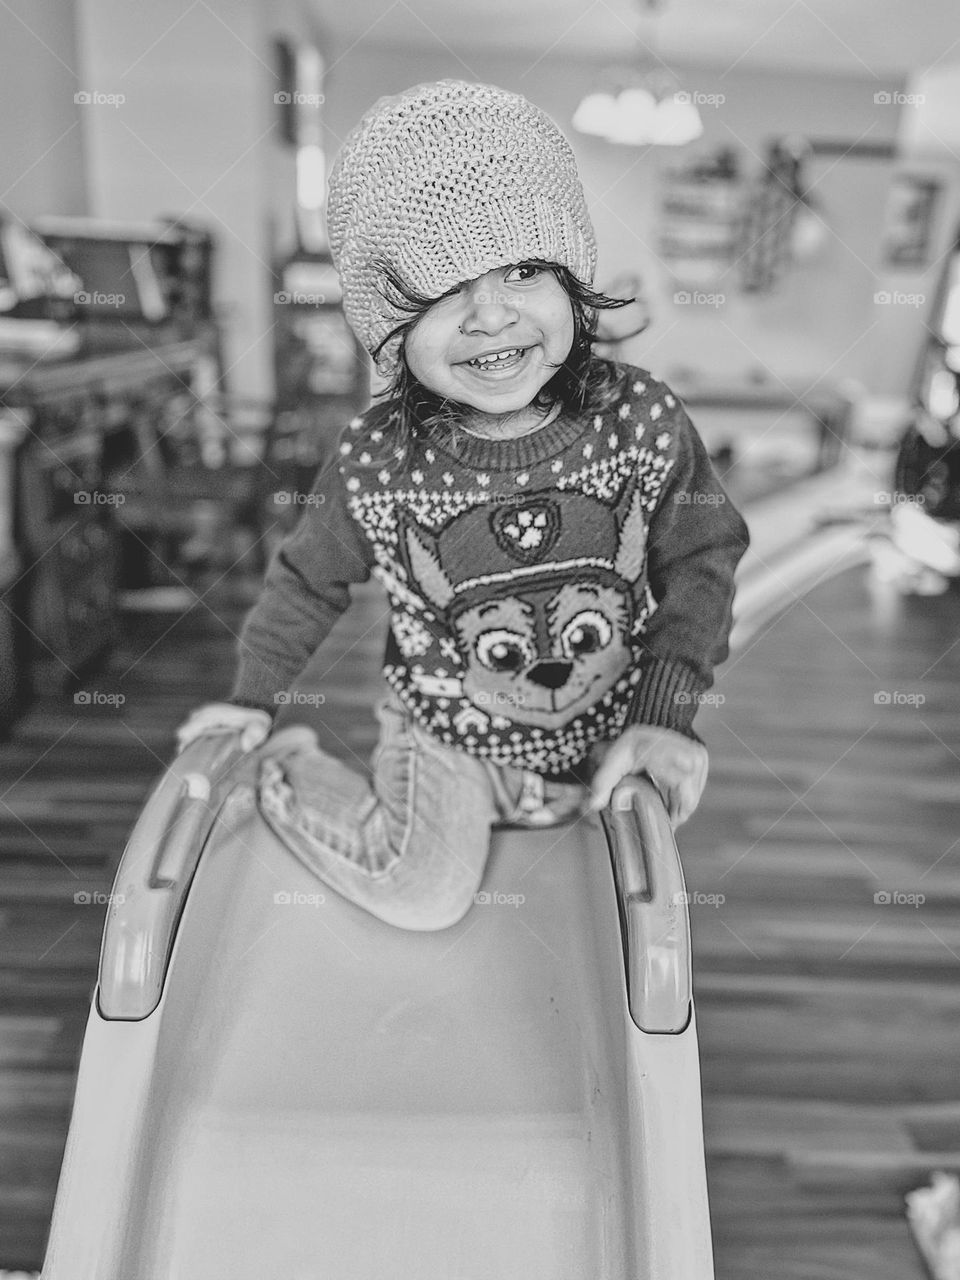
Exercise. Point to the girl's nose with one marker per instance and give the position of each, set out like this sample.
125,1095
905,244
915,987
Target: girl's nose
489,308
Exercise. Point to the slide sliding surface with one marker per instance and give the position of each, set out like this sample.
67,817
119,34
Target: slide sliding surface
319,1096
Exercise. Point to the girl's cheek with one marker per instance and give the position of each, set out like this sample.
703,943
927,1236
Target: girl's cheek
565,328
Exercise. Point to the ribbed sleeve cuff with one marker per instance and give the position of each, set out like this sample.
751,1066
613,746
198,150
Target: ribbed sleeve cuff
254,687
252,705
667,695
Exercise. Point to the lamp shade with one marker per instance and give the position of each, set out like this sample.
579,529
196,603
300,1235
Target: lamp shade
677,121
634,120
596,114
638,117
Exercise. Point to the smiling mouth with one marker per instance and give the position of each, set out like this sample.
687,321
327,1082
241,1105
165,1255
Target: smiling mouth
509,358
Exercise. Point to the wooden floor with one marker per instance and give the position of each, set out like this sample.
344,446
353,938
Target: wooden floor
829,1021
827,979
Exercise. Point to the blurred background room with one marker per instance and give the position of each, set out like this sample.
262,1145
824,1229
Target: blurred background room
777,185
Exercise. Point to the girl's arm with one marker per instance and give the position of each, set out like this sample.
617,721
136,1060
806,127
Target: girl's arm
695,541
306,589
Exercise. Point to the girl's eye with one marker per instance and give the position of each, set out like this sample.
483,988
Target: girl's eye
503,650
586,633
523,272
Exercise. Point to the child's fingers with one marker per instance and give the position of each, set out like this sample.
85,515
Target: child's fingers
678,769
686,796
620,763
679,786
671,789
611,773
680,806
254,734
218,718
616,765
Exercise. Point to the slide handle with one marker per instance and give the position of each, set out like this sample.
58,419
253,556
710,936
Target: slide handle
155,873
652,902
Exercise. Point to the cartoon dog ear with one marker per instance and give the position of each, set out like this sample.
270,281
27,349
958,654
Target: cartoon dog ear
428,572
632,544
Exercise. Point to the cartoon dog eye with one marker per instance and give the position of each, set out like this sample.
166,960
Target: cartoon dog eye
503,650
586,632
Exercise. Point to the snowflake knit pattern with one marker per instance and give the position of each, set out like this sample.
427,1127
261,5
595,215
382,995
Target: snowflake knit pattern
518,593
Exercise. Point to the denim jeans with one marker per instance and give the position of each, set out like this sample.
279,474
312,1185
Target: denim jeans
410,844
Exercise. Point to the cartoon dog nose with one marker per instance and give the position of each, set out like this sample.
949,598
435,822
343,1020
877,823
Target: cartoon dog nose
552,674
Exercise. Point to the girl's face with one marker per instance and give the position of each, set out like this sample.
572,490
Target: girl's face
494,342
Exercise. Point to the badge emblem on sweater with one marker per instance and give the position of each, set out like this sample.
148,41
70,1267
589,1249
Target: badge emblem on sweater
527,533
540,596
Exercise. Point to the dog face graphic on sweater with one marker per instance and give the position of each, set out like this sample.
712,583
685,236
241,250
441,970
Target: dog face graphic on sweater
540,594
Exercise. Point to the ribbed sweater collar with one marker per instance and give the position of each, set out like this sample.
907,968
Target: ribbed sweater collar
506,455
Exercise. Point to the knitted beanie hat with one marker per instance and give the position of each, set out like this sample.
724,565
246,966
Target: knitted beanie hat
445,182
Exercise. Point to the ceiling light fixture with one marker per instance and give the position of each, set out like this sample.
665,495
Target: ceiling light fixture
642,105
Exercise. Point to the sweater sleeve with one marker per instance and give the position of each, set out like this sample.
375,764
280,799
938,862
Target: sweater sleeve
306,589
696,538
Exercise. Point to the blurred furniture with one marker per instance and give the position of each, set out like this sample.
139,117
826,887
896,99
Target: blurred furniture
113,455
925,523
701,212
66,539
765,251
131,468
321,371
107,338
781,200
140,282
13,653
928,459
828,407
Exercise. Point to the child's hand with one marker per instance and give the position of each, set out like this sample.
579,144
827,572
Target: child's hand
252,725
677,765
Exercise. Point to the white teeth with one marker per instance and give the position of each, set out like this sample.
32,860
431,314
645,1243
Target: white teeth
497,357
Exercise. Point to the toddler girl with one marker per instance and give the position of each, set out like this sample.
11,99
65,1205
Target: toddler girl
557,551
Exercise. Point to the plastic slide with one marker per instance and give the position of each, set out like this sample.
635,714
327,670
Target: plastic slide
275,1085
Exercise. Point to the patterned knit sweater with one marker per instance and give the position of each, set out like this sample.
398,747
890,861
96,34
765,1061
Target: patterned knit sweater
545,591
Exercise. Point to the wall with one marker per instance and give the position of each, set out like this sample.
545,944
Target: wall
196,136
931,127
41,151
